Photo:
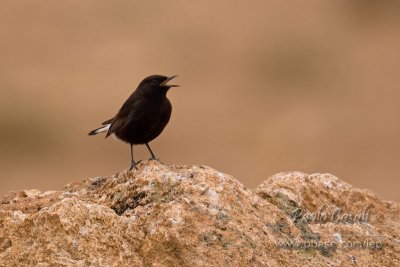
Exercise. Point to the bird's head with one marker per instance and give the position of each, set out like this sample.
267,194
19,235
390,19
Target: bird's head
156,85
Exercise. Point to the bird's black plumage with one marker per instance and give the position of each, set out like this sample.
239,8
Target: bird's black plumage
144,114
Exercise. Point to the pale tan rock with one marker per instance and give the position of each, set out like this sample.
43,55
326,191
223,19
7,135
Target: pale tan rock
191,216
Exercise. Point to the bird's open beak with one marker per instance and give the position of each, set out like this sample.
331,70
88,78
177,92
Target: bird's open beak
164,83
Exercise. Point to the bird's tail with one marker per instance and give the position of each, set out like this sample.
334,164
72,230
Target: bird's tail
100,130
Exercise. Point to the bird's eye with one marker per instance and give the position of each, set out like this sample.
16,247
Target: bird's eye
154,81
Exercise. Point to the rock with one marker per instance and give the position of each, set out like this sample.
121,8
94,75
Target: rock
196,216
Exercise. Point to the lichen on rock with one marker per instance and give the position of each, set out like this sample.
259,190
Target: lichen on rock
195,216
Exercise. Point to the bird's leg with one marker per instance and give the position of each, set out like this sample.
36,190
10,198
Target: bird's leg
153,157
133,163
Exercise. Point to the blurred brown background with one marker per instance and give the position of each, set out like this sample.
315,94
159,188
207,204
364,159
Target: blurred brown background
267,86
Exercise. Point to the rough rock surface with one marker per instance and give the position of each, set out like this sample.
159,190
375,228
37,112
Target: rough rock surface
196,216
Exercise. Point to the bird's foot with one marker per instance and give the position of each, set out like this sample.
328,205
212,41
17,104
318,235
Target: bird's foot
134,165
155,159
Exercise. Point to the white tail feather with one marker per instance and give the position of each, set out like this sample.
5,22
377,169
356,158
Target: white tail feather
103,129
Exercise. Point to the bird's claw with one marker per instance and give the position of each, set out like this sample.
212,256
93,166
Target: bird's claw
134,165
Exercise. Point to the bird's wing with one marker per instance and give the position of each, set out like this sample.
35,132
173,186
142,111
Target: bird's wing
115,126
131,110
108,121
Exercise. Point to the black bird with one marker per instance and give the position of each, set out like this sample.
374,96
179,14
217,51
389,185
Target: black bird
143,116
